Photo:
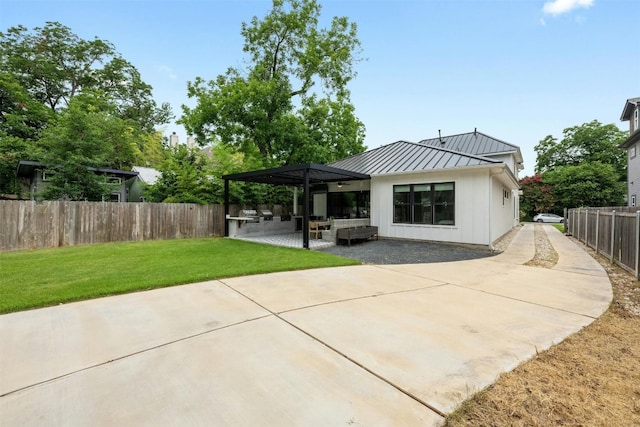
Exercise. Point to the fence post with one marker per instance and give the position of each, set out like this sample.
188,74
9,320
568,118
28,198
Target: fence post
578,230
586,228
637,239
597,229
566,218
613,233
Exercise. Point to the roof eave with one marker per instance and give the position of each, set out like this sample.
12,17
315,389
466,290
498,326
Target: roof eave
633,138
628,108
291,174
443,170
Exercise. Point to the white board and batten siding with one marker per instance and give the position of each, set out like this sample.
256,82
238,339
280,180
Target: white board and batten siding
478,202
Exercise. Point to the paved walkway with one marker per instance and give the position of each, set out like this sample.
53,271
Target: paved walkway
365,345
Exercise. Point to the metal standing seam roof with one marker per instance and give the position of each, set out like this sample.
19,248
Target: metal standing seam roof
476,143
147,175
403,156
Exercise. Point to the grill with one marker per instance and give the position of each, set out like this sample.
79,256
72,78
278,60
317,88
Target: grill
267,214
250,213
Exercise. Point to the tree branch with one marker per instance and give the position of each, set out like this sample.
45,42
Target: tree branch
274,64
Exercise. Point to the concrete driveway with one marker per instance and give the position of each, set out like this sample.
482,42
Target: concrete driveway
366,345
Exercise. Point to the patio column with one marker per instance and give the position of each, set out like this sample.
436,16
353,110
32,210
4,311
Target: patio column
226,207
295,200
305,218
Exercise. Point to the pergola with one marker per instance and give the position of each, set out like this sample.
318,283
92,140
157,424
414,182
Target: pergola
301,175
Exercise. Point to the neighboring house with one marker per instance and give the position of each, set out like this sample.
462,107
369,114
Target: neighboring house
146,176
631,113
34,180
460,188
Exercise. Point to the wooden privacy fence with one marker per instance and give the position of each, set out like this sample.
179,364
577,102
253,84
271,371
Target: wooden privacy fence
614,232
34,225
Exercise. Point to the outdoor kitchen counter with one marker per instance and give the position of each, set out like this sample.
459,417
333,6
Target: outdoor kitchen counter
241,226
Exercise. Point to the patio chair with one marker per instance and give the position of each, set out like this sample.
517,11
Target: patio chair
314,230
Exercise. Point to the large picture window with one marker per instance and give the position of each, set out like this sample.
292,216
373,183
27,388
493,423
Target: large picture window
348,204
432,204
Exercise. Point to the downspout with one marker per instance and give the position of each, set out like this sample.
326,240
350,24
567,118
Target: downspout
491,175
490,204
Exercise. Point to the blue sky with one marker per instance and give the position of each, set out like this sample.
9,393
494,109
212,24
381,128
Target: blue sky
518,70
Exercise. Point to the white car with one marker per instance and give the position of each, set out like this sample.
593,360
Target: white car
548,217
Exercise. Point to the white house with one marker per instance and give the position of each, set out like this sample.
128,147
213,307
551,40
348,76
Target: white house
459,188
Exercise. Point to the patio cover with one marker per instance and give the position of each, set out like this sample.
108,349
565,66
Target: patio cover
301,175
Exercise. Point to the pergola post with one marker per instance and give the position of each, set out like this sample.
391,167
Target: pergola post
226,207
305,218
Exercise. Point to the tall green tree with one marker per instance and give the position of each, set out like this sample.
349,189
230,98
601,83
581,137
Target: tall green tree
537,196
53,65
42,73
21,115
587,184
154,149
186,177
85,136
291,103
589,142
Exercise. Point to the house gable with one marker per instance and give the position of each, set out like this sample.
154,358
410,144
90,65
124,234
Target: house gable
631,113
479,144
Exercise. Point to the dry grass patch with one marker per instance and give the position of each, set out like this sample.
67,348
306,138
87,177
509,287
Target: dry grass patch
590,379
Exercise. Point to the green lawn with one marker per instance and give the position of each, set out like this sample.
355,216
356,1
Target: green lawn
560,227
31,279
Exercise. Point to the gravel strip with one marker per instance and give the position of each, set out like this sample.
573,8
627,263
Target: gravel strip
390,251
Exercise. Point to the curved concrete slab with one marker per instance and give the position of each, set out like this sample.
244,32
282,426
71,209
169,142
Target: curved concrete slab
364,345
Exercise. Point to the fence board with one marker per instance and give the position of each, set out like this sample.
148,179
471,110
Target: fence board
35,225
614,229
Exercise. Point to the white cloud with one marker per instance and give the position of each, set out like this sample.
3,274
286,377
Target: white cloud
558,7
168,71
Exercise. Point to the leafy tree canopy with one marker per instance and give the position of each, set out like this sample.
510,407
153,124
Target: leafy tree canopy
62,94
85,136
291,103
52,65
590,142
537,196
186,178
586,184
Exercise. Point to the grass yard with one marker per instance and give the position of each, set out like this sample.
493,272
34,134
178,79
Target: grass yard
32,279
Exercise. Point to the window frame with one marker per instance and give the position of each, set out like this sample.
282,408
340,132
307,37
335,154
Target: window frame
632,151
432,203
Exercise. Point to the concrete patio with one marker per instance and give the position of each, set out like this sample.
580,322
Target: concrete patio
289,240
